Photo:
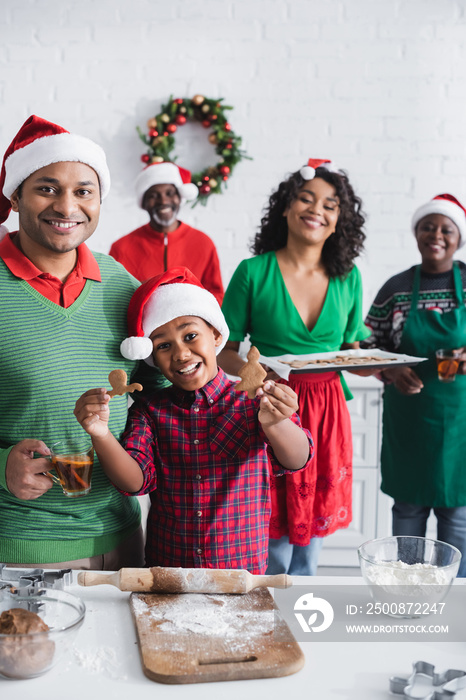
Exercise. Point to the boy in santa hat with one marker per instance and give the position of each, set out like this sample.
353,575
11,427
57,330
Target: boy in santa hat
200,448
165,242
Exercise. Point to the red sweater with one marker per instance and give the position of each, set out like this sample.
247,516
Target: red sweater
146,252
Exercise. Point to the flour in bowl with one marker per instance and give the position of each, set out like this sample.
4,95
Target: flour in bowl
397,582
384,573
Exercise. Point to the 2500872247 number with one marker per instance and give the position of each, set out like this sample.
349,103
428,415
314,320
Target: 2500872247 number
404,608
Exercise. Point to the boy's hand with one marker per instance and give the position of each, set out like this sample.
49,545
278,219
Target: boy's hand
92,412
278,402
271,374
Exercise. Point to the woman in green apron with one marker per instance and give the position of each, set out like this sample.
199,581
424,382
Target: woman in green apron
418,312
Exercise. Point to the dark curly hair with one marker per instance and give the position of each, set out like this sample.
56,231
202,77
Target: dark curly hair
341,248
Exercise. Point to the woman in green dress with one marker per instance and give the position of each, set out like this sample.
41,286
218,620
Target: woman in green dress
417,312
301,293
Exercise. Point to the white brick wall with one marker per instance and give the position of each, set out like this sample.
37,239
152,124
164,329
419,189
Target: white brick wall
380,87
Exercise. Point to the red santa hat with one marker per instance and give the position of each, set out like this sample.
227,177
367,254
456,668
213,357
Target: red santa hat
166,174
39,143
174,293
308,171
447,205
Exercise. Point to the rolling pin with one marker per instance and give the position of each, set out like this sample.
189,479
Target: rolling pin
161,579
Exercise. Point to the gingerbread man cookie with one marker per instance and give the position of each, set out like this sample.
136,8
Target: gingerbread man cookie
252,373
118,379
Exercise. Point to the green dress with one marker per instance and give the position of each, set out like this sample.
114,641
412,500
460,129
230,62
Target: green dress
315,501
257,302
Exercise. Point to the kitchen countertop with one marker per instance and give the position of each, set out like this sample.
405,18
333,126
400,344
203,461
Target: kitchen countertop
105,662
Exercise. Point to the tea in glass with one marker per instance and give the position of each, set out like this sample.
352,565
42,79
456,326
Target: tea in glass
74,470
448,362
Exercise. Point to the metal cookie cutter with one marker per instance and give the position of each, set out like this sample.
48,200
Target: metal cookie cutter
29,581
30,584
437,686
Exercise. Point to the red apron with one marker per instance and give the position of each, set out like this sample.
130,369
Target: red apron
315,502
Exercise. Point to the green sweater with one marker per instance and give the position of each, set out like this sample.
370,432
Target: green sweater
48,357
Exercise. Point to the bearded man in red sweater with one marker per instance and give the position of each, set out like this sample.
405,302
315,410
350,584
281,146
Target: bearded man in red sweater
166,242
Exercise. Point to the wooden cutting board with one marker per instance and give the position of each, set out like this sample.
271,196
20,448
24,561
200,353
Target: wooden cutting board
197,637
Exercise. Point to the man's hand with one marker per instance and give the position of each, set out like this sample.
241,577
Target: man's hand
92,412
278,402
462,365
405,380
25,475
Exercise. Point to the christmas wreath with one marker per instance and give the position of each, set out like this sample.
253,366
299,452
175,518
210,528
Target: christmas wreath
160,139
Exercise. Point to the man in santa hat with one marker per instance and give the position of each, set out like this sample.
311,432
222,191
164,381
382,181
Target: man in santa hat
62,311
166,242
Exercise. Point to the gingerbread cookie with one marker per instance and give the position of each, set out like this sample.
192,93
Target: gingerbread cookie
118,379
252,373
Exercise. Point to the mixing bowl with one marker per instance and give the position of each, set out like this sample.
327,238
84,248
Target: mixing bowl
408,575
29,655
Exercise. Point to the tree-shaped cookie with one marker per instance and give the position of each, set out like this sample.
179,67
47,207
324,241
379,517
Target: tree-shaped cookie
118,379
252,373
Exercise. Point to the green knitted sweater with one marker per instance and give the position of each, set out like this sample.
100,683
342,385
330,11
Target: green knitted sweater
48,357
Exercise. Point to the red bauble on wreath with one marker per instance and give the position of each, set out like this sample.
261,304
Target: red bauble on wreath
160,139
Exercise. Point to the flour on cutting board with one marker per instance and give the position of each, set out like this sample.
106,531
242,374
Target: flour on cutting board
198,637
213,615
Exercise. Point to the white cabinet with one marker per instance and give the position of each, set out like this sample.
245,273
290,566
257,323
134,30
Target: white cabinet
371,508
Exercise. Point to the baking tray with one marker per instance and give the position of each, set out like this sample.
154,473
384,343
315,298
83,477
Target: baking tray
322,362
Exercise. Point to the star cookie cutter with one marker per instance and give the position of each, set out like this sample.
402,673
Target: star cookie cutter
438,686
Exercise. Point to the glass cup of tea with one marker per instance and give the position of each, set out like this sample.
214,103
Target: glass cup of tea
73,465
448,362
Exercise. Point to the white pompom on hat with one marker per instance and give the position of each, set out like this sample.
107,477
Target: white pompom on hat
308,171
166,174
39,143
174,293
446,205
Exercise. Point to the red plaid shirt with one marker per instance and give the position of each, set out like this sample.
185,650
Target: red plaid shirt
206,465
